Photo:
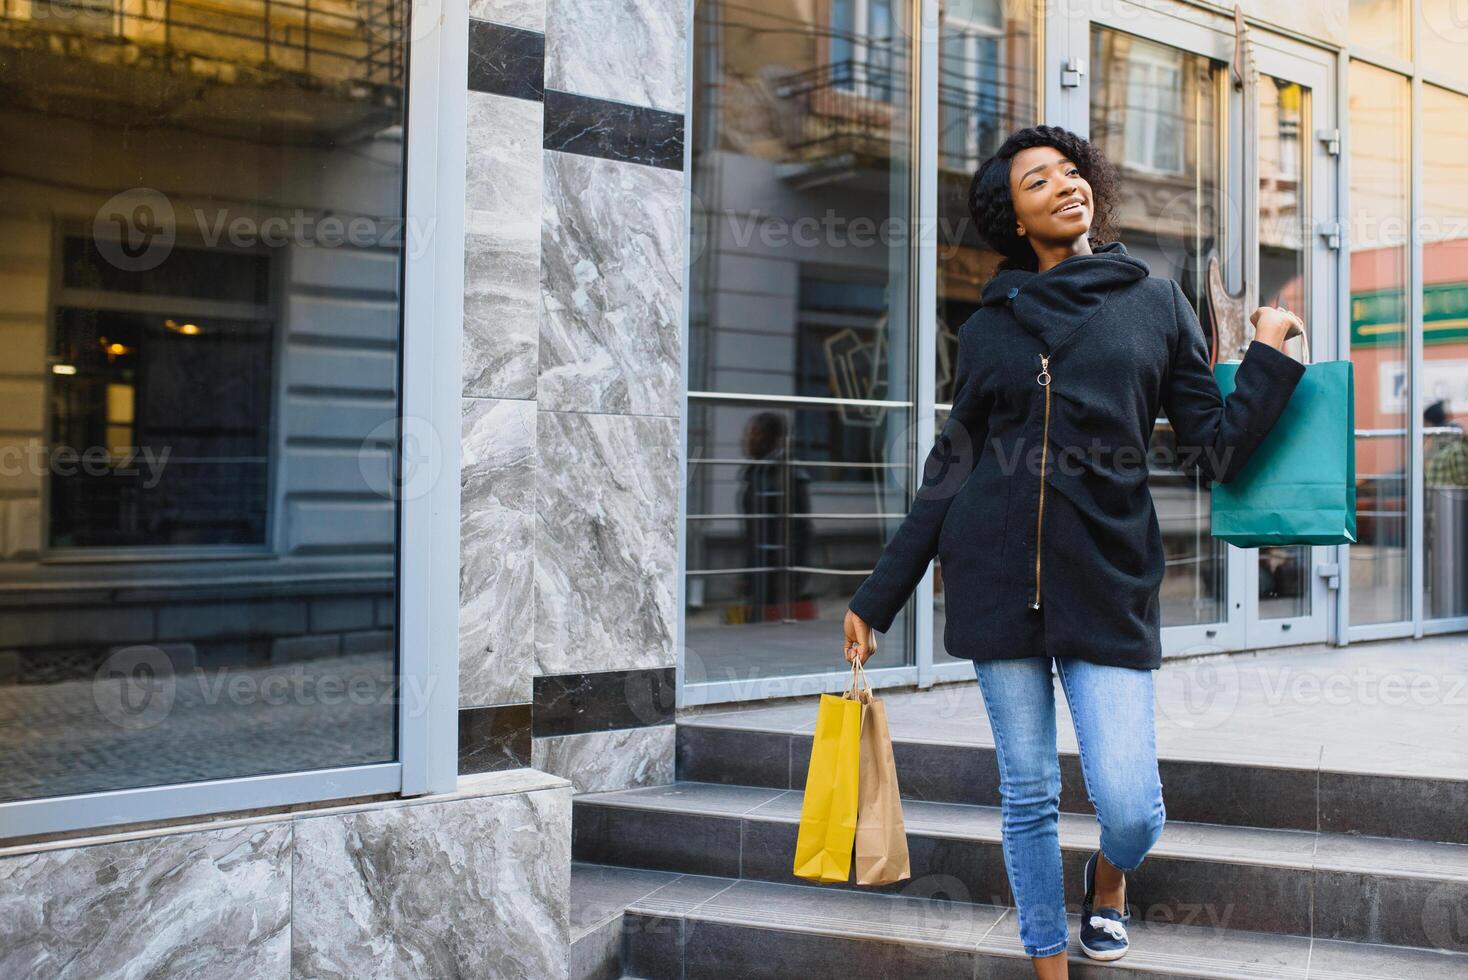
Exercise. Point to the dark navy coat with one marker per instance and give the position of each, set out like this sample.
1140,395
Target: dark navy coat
1074,570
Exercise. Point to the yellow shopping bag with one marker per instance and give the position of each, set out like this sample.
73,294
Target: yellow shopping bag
828,812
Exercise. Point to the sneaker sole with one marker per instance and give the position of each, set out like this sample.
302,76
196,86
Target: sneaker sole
1104,954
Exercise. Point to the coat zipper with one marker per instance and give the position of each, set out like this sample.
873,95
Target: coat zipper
1044,379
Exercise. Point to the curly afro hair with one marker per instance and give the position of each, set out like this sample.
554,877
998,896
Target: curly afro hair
992,207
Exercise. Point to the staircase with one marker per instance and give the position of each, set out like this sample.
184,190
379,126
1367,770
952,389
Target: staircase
1262,871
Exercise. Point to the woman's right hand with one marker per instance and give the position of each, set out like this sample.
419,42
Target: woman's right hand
861,639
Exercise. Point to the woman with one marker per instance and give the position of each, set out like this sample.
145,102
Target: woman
1035,500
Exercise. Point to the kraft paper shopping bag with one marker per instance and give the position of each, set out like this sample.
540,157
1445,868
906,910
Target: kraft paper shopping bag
881,835
823,845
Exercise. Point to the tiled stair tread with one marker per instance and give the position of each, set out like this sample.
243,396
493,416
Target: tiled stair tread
601,891
1166,948
800,720
1200,841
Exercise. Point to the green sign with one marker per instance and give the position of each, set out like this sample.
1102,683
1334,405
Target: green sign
1376,317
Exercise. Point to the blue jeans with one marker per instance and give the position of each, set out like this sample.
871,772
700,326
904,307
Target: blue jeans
1111,708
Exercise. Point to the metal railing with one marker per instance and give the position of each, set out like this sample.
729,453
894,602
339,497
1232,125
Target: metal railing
341,40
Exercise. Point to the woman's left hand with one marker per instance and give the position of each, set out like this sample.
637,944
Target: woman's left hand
1274,325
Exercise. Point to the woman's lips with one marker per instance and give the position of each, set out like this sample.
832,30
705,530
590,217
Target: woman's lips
1069,207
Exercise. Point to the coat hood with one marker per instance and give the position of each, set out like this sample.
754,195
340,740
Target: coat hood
1053,304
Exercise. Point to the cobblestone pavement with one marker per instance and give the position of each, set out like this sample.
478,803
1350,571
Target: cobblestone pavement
142,724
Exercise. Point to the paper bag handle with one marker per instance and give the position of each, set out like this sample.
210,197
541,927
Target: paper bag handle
858,673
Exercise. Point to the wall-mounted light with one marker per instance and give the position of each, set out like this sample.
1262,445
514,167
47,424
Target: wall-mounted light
63,369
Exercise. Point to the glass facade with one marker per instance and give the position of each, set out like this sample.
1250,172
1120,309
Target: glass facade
1443,400
203,315
1156,113
799,335
987,84
806,356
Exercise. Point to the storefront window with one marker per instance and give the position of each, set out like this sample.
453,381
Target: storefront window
1378,235
198,530
1284,280
1382,26
1155,112
800,334
1444,396
1443,39
986,89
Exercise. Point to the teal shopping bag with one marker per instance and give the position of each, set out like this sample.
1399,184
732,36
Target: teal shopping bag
1299,487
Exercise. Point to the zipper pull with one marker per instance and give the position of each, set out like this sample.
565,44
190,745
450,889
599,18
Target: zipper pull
1044,376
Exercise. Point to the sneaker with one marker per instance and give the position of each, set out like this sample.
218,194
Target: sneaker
1103,930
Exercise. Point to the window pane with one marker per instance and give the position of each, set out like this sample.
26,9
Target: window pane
798,289
1155,114
1444,38
1284,280
1383,26
202,324
986,90
1444,397
1379,120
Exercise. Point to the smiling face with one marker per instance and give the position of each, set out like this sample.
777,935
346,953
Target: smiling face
1052,201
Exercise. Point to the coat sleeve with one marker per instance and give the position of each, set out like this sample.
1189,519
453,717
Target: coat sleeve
949,462
1220,434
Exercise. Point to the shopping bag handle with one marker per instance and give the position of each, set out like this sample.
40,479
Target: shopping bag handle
858,671
1303,335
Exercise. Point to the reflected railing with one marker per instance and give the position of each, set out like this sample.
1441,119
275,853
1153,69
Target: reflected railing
343,40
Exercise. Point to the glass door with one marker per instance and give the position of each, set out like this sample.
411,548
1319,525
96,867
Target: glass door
1296,244
1158,95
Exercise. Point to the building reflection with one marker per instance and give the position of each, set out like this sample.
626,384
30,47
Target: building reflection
204,232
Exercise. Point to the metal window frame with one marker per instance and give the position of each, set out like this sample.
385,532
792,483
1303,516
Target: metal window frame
1414,72
428,559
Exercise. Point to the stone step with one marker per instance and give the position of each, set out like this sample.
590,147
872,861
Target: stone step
695,926
1287,882
1245,794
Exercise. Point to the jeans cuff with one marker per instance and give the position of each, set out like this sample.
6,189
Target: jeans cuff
1050,950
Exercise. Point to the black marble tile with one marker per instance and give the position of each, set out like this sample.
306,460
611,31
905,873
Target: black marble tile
1396,911
570,704
1394,806
614,130
497,737
1210,894
506,61
652,945
719,951
709,754
636,837
954,868
946,773
1243,795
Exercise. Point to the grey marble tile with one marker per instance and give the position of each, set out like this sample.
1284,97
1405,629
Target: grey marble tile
496,551
617,759
529,14
502,202
632,52
611,286
464,888
211,905
605,549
